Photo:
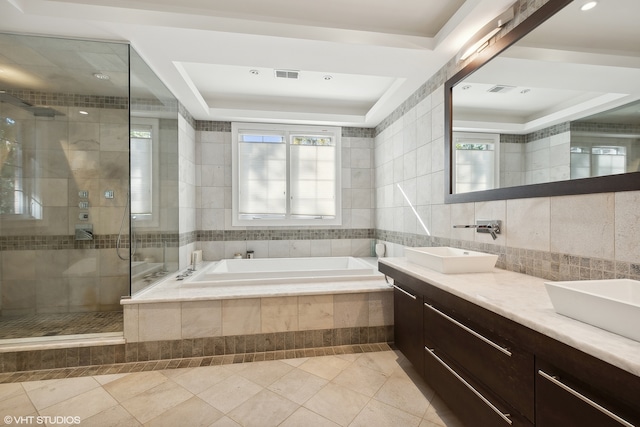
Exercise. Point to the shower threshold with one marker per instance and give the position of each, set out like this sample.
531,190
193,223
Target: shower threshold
60,325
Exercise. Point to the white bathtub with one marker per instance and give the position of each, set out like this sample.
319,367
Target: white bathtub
266,271
265,277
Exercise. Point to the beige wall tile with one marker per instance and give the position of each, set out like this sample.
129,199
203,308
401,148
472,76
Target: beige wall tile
583,225
350,310
201,319
130,316
627,228
241,316
158,322
528,222
315,312
279,314
380,308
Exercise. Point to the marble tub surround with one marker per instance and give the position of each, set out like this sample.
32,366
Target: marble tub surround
187,319
524,300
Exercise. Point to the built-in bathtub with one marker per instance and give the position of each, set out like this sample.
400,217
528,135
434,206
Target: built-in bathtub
283,271
343,300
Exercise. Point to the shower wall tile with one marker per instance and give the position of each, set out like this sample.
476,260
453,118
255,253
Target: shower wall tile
85,164
113,164
52,295
52,134
19,265
114,136
84,136
111,290
57,164
18,297
83,294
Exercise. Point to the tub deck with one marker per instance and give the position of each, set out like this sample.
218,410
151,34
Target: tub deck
198,288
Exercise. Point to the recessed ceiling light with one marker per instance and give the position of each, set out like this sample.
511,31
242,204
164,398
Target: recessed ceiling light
327,77
254,72
84,113
101,76
588,6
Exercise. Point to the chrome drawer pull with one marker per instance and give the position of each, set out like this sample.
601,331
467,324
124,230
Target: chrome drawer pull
585,399
404,292
470,387
471,331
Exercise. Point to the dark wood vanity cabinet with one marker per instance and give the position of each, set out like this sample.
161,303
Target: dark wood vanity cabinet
492,371
588,393
472,366
407,325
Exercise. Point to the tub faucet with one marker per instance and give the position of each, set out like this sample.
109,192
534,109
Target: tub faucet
485,226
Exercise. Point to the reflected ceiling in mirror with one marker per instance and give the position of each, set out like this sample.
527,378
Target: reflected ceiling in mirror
562,99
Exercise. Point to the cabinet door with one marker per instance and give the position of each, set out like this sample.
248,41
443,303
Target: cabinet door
564,401
407,324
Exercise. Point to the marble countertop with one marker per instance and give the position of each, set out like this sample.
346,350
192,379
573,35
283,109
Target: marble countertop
524,299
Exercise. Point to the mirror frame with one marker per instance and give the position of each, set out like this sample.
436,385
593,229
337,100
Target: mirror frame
604,184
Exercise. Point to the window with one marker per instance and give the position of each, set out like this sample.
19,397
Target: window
11,169
144,183
286,175
475,167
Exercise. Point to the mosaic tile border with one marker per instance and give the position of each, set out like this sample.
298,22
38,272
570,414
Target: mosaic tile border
134,352
214,126
158,240
191,362
104,241
294,234
614,128
71,99
546,265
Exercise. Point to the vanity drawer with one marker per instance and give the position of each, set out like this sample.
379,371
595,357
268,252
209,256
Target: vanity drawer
491,360
470,400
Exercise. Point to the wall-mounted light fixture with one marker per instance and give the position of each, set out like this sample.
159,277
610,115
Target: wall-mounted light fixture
481,39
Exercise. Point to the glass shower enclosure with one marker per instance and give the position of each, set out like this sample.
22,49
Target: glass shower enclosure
88,184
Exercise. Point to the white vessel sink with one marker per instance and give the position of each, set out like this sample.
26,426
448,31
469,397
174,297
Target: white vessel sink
451,260
613,304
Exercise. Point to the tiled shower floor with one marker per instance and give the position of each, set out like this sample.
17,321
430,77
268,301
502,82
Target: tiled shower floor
48,325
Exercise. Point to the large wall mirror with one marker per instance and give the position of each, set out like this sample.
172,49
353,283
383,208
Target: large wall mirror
552,108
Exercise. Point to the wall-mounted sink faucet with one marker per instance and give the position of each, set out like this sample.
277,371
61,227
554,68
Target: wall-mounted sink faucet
491,226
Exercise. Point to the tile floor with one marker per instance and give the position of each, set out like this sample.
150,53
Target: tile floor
365,389
55,324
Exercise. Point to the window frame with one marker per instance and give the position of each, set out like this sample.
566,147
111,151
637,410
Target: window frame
288,130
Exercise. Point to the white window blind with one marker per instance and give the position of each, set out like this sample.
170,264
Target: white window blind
313,176
141,170
286,175
262,170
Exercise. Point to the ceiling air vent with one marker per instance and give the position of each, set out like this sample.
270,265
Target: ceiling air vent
501,89
287,74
